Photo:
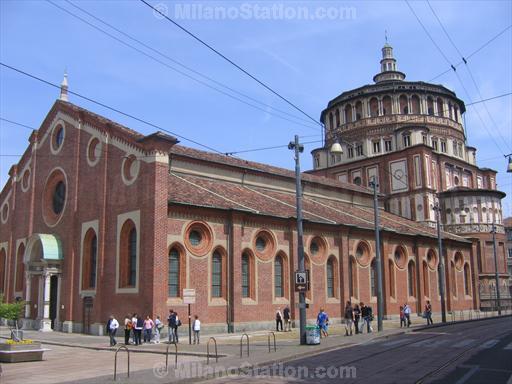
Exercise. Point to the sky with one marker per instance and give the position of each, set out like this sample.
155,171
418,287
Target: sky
307,51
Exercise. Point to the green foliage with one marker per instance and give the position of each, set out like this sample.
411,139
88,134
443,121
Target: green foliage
11,311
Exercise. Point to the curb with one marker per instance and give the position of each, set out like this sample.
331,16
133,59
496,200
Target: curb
438,325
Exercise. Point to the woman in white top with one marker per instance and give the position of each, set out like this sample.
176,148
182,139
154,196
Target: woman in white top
197,328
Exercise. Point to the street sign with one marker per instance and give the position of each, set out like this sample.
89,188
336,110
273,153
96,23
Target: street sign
189,296
301,281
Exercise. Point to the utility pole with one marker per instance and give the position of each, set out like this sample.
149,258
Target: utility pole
442,279
498,302
380,297
299,148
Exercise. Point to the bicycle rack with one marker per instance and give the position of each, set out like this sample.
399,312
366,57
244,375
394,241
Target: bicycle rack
115,360
274,336
453,316
477,314
167,356
241,343
208,351
470,314
461,315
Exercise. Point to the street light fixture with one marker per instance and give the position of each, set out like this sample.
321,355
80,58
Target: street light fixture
509,167
299,148
437,209
336,148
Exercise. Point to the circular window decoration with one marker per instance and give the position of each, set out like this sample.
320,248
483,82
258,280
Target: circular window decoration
130,169
264,244
400,257
4,212
54,197
318,249
363,253
58,135
432,260
456,180
357,180
459,261
419,208
25,180
198,238
94,149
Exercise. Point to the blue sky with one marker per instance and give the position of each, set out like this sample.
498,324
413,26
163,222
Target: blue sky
307,61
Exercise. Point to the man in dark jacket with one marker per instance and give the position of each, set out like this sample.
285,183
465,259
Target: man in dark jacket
172,325
366,314
349,318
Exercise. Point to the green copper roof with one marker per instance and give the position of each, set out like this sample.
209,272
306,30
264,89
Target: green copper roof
52,249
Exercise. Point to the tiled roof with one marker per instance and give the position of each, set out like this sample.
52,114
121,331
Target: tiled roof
211,193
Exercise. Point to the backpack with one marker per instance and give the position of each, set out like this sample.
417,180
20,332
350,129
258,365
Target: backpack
178,323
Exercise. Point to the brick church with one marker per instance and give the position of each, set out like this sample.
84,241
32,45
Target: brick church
98,219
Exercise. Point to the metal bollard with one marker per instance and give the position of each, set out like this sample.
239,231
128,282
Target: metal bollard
208,351
167,356
115,360
241,343
274,336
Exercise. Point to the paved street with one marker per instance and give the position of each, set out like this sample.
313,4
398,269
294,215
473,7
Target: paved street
472,351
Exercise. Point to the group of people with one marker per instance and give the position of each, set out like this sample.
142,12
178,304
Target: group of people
405,314
285,315
356,316
174,322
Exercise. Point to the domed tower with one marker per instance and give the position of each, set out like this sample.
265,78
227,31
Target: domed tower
410,136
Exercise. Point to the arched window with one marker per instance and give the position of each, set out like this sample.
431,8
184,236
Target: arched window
128,250
391,278
426,286
386,105
430,106
373,278
440,108
404,109
453,279
20,268
174,280
411,277
89,260
332,281
467,280
337,117
331,120
3,259
415,104
217,274
348,113
278,276
247,275
374,107
359,110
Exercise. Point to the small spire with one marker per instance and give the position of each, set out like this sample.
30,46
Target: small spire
386,35
64,87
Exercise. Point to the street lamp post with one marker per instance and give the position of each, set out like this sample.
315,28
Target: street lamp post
380,298
299,148
498,302
437,209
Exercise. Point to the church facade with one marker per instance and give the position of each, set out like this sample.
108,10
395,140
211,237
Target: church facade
410,136
98,219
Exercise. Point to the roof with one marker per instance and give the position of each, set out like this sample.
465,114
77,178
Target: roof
458,191
219,194
507,222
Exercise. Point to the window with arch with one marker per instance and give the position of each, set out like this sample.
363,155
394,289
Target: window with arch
402,100
89,260
337,117
174,278
217,275
453,279
411,278
440,108
279,276
386,105
128,259
467,280
331,276
391,272
430,106
374,107
373,278
348,113
426,286
415,105
331,120
247,275
20,269
359,110
3,260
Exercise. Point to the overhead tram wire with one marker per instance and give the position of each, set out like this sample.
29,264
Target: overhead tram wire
183,73
206,77
456,74
233,63
103,105
468,69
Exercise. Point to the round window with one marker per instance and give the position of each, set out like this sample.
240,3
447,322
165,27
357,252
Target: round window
400,257
357,181
195,238
459,260
362,254
130,169
57,137
261,244
59,197
25,180
264,244
431,259
314,248
198,238
5,212
94,151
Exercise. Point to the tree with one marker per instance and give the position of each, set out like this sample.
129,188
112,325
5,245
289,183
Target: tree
12,312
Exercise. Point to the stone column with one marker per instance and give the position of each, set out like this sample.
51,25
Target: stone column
27,295
46,323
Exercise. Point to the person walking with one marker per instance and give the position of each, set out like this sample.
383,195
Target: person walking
127,329
196,327
279,319
171,322
148,329
428,313
177,323
139,325
322,320
357,315
349,319
402,317
287,322
407,314
112,326
366,314
158,328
